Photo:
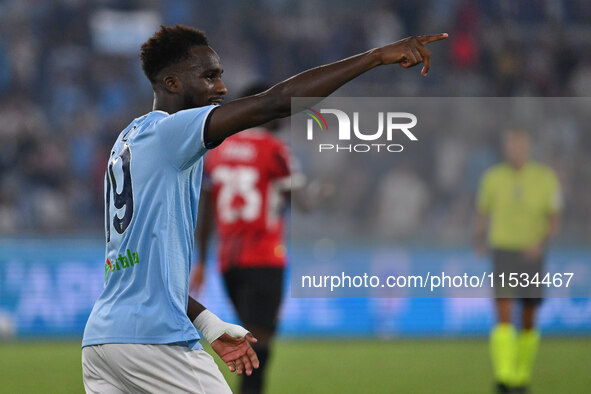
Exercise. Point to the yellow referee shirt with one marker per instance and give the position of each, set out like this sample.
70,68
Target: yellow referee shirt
518,203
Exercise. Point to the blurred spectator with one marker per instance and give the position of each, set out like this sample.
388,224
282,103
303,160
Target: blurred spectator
70,80
402,198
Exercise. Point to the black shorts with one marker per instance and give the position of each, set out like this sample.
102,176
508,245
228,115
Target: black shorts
510,262
256,294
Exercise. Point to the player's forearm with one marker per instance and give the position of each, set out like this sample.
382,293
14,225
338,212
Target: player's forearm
209,324
321,81
194,308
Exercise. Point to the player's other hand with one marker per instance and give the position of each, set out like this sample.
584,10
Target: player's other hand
237,353
480,248
410,51
534,252
197,277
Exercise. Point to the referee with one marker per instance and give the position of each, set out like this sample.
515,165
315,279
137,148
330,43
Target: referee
519,207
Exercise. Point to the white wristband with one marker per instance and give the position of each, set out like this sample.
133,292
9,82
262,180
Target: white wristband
213,327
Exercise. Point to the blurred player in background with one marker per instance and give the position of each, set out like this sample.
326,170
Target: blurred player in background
519,204
247,182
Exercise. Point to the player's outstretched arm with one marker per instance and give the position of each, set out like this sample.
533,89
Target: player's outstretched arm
321,81
230,341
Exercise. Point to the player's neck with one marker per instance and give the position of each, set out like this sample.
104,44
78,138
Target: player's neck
166,104
518,166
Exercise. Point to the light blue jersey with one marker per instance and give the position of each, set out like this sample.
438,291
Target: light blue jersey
152,189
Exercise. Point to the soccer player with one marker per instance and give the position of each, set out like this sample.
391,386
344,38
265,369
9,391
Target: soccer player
247,179
519,203
141,335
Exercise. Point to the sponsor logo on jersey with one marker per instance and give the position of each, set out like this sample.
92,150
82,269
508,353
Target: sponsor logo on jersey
121,262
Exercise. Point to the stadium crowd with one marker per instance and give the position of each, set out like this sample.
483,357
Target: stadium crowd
70,80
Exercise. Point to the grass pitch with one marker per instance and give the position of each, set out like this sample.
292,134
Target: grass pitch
410,366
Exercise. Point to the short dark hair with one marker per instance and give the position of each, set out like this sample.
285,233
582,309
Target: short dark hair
167,46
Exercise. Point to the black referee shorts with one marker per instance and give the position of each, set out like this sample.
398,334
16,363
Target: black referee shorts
256,294
513,262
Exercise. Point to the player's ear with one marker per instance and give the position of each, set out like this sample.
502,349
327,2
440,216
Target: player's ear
172,83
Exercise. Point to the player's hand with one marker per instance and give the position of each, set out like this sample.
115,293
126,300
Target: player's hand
197,277
410,51
321,190
237,353
480,248
534,252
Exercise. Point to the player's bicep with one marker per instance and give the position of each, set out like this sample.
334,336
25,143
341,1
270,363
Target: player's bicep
240,115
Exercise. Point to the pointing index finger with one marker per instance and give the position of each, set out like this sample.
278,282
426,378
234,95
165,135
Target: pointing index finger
435,37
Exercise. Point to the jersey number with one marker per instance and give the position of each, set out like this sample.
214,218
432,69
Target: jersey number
238,196
121,199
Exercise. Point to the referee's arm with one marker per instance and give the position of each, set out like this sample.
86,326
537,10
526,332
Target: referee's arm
483,206
480,231
537,250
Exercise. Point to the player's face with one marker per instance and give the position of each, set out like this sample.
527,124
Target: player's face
516,146
202,78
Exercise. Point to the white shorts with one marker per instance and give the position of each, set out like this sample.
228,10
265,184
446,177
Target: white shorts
131,368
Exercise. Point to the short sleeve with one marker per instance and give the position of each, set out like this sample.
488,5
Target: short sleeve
485,197
182,135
